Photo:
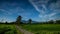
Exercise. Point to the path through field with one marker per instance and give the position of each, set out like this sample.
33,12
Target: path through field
23,31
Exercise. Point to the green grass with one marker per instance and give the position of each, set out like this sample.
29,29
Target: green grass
9,29
40,28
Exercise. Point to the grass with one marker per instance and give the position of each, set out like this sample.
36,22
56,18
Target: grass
8,29
43,28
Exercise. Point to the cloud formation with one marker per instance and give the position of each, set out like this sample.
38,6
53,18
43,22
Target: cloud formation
46,6
34,9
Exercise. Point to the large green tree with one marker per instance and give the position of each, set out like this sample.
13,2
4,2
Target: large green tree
18,20
51,22
6,22
30,21
58,21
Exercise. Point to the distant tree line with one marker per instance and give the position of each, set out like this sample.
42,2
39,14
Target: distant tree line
19,21
51,22
19,18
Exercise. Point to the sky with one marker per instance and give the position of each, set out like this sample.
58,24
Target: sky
37,10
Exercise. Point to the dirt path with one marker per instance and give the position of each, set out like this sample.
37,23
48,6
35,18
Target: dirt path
23,31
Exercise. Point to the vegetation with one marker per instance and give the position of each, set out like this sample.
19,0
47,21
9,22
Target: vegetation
10,28
50,27
18,20
7,29
43,28
29,21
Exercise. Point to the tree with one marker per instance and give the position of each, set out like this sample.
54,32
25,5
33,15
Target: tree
58,21
30,21
51,22
18,20
6,22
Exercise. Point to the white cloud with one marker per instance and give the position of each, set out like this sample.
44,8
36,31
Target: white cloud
42,3
39,3
52,14
34,5
55,7
6,12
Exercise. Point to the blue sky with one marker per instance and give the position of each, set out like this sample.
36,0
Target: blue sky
37,10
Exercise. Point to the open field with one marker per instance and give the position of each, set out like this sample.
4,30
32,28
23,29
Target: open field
43,28
7,29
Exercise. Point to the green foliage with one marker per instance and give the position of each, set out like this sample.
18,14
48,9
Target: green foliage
18,20
30,21
58,21
51,22
6,22
7,29
42,28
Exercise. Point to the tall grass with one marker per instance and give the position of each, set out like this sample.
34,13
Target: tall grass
43,28
7,29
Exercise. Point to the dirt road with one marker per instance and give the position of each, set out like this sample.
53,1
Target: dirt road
23,31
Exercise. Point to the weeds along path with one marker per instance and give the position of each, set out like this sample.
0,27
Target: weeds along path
23,31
